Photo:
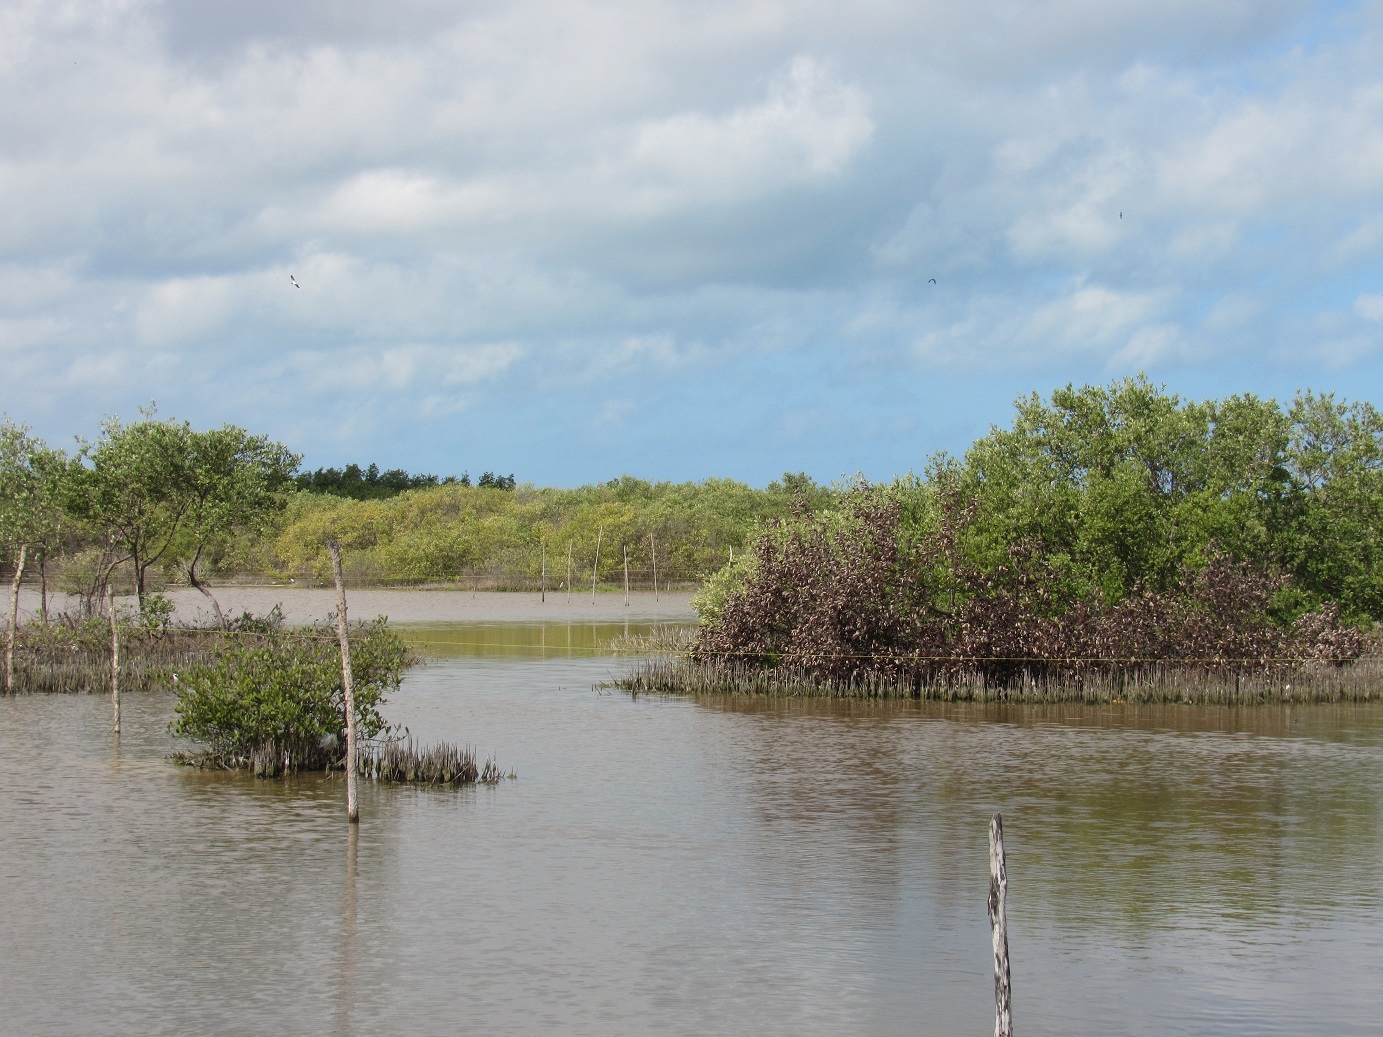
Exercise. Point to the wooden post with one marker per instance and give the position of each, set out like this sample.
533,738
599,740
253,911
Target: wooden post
653,553
114,661
595,569
347,685
626,575
14,620
43,587
998,924
568,572
543,585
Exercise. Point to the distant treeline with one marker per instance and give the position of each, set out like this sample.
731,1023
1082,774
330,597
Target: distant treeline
371,484
454,531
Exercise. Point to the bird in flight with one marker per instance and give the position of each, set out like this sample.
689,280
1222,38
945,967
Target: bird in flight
294,280
931,280
1121,214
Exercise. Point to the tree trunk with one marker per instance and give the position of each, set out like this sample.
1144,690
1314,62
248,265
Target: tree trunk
347,685
998,923
595,569
114,661
197,584
14,620
138,583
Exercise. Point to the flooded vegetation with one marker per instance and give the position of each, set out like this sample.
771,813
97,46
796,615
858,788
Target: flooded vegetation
1360,682
819,864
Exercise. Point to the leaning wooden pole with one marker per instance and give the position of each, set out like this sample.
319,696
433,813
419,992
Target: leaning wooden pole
347,684
653,553
626,575
568,572
543,585
595,569
114,661
14,620
998,924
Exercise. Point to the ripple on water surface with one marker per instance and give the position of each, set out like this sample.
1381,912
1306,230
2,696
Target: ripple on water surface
665,866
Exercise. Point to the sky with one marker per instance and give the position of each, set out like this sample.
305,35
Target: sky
573,240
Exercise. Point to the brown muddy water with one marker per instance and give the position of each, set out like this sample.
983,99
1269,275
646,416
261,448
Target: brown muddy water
670,867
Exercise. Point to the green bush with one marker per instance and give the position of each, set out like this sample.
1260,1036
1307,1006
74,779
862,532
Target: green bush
283,690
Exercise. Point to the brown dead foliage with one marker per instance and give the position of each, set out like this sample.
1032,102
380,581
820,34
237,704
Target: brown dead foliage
843,599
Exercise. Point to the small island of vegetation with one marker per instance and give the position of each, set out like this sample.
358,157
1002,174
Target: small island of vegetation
1114,543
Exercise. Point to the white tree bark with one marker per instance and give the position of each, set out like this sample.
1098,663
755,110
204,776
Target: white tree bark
114,661
347,684
998,923
14,619
595,569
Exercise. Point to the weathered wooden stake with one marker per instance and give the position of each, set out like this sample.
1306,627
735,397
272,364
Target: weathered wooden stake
347,684
626,575
568,572
998,924
114,661
43,587
653,551
595,569
543,585
14,620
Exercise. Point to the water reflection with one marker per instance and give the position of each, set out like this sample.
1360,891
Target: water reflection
524,641
732,866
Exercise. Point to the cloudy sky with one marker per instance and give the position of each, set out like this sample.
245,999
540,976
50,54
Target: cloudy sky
572,239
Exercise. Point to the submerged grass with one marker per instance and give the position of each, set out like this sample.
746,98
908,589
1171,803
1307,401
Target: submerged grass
1166,683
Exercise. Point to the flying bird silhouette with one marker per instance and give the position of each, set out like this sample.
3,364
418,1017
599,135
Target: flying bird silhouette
294,280
931,280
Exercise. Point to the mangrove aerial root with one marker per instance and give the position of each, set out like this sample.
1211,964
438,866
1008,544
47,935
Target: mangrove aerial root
1322,682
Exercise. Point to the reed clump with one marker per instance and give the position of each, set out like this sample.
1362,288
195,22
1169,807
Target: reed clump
666,640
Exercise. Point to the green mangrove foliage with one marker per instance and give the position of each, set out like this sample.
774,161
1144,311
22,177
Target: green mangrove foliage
278,694
1110,531
152,495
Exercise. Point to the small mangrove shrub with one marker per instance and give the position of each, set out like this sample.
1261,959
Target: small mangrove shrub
274,700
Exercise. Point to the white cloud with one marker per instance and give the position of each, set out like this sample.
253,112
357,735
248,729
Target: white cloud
1092,316
399,369
691,195
1370,307
184,309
